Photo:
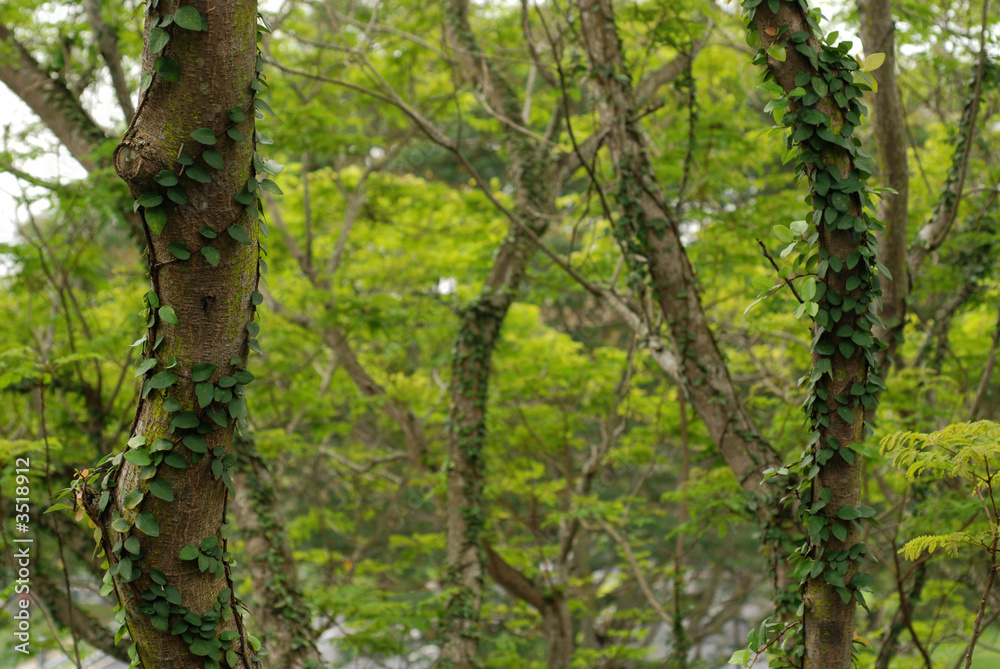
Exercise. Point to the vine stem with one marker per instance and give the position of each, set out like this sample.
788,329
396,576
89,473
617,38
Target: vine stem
982,605
764,252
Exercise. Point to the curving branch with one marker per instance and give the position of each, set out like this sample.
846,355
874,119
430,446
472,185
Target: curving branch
934,233
51,99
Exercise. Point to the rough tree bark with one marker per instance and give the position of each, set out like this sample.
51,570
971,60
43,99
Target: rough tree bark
200,314
878,33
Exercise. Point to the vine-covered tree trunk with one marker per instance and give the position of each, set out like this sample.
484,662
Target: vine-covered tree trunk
479,331
648,227
188,158
878,35
279,608
823,112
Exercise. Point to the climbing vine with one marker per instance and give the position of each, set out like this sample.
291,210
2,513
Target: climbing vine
219,388
820,88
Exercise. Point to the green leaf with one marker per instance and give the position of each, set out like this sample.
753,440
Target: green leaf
263,106
235,134
61,507
132,545
161,489
189,552
271,187
237,115
846,414
161,445
138,457
211,255
243,376
840,532
168,315
862,580
189,18
775,51
179,251
166,178
147,524
238,233
164,379
156,219
208,233
204,648
186,420
820,86
148,199
740,657
158,38
196,443
218,415
273,167
816,525
212,158
134,497
862,338
175,460
848,513
121,525
167,68
199,174
145,366
873,62
177,195
205,393
203,371
204,136
256,298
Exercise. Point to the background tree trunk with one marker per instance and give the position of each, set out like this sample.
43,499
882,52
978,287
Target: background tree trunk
878,33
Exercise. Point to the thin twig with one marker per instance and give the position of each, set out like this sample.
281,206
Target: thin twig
788,281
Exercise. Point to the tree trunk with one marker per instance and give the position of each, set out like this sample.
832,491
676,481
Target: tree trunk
878,36
479,331
279,607
843,348
648,227
50,98
163,505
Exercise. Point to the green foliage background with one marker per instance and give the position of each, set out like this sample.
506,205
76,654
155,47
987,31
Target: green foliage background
365,525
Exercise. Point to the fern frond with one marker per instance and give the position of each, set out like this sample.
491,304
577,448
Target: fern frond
962,449
950,543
